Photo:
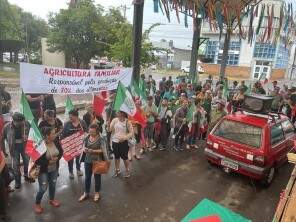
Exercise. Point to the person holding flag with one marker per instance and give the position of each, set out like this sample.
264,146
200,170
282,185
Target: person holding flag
193,117
180,123
74,125
48,170
16,134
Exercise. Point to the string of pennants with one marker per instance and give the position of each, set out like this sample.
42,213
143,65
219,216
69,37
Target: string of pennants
238,15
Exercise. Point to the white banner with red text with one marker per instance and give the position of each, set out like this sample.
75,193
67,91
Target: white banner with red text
40,79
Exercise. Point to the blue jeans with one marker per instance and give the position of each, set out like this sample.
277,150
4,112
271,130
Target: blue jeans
88,175
19,150
71,163
45,180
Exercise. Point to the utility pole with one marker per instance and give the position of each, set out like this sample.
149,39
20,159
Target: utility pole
137,38
124,9
195,49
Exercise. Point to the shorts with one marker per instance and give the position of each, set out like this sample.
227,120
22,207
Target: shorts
120,150
149,130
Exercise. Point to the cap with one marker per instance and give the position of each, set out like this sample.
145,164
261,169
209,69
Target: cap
18,117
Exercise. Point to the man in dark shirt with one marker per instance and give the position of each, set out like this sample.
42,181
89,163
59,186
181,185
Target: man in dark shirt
49,103
35,101
74,125
16,134
110,115
90,117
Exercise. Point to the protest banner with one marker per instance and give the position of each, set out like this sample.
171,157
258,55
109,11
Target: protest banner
51,80
72,145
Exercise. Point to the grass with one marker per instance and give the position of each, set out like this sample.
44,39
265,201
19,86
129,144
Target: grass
9,75
5,74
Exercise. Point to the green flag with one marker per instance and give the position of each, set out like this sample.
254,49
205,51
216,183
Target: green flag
225,90
69,106
249,90
25,109
190,112
142,86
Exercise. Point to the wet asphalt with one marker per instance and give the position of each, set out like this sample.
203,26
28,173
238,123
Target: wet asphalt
164,186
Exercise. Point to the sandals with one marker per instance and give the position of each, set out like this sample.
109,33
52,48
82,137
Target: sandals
127,174
97,197
83,197
116,174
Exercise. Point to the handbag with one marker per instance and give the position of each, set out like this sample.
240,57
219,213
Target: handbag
33,169
101,167
131,141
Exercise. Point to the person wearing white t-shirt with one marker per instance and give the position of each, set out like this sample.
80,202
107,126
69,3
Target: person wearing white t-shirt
121,131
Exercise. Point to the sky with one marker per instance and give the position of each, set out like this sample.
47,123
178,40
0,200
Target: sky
181,35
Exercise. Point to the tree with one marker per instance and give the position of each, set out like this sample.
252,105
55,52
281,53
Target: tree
122,49
75,32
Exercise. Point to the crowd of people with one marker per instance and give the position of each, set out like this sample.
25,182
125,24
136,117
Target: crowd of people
176,109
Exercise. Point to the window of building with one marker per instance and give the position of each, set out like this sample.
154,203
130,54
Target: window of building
264,51
214,51
282,57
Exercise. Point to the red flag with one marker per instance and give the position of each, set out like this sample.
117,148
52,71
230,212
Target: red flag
104,94
139,117
212,218
98,104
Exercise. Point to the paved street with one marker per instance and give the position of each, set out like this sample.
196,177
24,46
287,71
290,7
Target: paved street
164,186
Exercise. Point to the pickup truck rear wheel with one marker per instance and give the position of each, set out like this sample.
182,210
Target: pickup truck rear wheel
268,177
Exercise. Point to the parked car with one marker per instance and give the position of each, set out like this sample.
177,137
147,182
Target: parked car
251,144
199,69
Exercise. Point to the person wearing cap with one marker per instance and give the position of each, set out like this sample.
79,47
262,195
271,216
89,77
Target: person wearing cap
278,101
16,134
151,114
217,114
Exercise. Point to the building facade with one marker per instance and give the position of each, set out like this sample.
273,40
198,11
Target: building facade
259,59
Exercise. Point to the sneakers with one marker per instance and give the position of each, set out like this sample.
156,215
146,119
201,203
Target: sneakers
38,209
162,148
54,203
17,186
71,176
79,173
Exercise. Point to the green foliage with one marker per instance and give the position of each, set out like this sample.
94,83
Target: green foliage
122,49
78,32
15,24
